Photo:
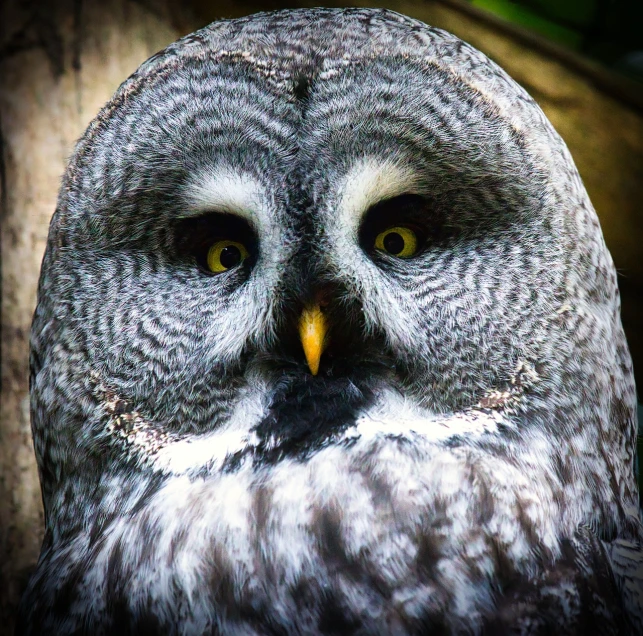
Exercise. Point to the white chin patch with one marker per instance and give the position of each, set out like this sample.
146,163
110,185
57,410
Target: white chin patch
210,450
395,415
392,415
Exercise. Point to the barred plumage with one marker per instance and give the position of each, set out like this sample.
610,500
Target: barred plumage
464,459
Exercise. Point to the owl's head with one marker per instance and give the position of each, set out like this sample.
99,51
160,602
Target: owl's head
283,223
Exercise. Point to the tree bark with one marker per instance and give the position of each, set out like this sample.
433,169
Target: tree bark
61,61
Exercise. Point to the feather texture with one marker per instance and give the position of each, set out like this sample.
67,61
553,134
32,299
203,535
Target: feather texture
464,460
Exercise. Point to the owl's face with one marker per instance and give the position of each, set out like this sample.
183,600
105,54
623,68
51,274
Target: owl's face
421,208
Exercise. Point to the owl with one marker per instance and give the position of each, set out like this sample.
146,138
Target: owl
328,342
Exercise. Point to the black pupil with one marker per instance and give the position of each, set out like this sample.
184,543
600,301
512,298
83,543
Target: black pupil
230,256
393,243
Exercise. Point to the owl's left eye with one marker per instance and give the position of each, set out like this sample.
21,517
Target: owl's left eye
399,241
396,227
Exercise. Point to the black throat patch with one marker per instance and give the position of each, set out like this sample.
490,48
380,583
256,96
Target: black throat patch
306,414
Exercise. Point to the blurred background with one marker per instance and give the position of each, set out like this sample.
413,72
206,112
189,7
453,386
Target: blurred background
61,60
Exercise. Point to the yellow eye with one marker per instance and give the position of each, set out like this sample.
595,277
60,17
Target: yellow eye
226,254
398,241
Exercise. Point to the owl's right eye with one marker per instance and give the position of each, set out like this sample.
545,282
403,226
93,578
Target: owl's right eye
226,254
217,242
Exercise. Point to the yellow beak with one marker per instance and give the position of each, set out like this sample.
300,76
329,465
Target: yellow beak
312,332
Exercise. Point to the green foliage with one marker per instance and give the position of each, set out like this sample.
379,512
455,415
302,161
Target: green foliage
610,31
525,16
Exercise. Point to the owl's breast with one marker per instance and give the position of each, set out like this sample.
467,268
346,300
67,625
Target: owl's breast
378,532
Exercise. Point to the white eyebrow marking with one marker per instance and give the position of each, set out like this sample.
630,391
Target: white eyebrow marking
370,181
222,190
